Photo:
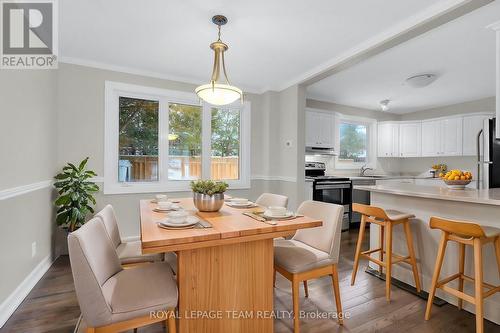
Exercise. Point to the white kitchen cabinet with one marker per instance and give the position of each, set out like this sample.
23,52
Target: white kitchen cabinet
431,135
388,140
309,190
320,129
410,142
442,137
471,127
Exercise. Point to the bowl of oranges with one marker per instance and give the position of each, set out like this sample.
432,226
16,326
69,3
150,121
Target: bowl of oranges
456,179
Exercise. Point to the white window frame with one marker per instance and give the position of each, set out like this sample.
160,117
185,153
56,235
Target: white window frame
371,125
114,90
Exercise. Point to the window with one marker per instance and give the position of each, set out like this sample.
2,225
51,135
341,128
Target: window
159,140
354,142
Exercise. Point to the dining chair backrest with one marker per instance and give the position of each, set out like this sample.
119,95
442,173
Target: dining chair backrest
371,211
327,237
271,199
108,217
93,261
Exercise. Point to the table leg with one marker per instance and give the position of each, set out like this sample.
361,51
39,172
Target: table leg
226,288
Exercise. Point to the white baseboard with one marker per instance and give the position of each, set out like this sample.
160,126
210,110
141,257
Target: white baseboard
10,305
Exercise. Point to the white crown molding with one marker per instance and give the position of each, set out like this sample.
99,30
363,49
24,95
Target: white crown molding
11,303
24,189
274,178
420,18
136,71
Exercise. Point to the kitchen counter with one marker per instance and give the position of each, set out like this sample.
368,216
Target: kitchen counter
486,197
424,201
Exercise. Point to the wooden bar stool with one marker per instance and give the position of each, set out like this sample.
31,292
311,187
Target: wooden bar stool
386,220
464,233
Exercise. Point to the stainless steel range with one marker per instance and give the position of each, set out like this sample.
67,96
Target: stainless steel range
336,190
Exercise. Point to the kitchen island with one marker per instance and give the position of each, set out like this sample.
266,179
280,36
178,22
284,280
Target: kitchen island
479,206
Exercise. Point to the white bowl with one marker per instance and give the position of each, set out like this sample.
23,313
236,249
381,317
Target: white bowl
239,201
277,210
177,216
161,197
165,204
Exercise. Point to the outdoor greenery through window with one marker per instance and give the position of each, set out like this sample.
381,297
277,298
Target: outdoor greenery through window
138,140
184,141
353,143
225,143
159,140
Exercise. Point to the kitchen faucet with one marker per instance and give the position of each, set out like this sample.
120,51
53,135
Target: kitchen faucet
363,170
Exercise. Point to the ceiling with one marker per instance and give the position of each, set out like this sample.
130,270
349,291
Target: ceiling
461,53
271,43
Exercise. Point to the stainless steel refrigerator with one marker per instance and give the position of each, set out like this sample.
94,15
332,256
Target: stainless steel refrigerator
488,156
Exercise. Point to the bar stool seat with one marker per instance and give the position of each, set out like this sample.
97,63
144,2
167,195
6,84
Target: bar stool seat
464,233
386,220
396,215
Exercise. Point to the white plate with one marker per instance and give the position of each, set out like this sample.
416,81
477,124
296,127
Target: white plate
241,205
173,207
190,221
270,216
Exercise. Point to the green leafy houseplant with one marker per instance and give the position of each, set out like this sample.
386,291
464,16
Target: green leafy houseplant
208,187
75,195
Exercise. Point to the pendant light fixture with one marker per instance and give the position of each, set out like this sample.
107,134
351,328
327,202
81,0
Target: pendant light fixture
215,92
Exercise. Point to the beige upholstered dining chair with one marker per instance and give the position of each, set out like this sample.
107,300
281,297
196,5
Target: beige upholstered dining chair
270,199
113,299
130,253
312,253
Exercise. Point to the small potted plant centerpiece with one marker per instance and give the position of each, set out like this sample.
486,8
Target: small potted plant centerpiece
208,195
75,195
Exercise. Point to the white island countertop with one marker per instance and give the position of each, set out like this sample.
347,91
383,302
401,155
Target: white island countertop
486,197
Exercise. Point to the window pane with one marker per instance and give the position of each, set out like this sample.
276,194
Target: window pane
353,143
184,138
138,140
225,159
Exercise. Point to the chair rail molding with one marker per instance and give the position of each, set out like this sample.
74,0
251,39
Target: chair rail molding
10,304
24,189
274,178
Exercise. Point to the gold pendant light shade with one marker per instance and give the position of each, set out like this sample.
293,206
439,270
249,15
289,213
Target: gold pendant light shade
215,92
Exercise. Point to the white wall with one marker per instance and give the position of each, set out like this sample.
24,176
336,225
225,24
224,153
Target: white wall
28,146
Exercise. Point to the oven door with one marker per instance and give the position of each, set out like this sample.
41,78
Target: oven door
336,192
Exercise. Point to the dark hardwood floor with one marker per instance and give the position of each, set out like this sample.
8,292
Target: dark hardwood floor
52,305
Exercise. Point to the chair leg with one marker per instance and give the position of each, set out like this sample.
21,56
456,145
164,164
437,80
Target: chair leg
90,330
336,292
274,278
388,260
497,252
437,271
381,244
478,284
306,290
295,296
461,267
358,249
411,252
171,322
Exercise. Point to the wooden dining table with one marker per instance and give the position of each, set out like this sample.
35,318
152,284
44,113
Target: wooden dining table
224,273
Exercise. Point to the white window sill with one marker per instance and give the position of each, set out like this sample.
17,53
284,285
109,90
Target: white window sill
134,188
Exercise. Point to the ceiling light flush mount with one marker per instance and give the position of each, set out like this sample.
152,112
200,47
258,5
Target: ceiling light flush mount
384,105
215,92
421,80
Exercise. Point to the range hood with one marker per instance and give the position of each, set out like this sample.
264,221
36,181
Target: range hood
330,151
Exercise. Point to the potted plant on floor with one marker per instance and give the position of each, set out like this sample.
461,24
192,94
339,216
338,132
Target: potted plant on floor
208,195
75,195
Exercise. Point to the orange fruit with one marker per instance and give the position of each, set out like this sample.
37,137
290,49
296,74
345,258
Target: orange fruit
463,177
457,177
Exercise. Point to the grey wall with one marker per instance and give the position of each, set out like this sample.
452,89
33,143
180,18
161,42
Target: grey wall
351,111
27,143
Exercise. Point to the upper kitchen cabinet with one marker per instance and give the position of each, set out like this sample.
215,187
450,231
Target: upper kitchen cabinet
320,129
442,137
388,140
471,127
451,137
410,139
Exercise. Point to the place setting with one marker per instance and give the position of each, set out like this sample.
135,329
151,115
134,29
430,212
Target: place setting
240,203
272,214
163,197
179,220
